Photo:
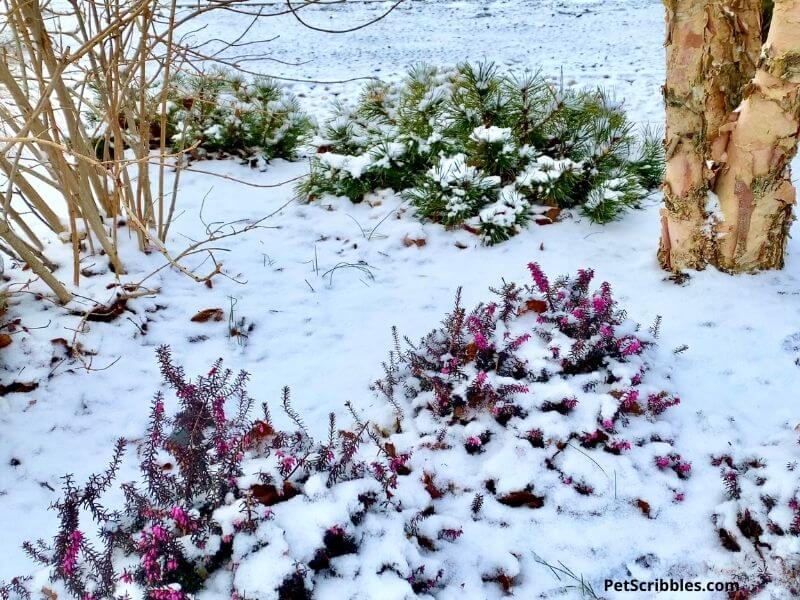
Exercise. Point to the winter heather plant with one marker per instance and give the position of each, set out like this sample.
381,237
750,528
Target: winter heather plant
504,365
544,402
758,520
471,147
210,475
503,418
163,542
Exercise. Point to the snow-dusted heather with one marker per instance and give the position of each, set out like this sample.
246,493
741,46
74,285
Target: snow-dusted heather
322,285
758,519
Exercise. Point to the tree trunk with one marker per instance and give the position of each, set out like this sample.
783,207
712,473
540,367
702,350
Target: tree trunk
712,51
755,191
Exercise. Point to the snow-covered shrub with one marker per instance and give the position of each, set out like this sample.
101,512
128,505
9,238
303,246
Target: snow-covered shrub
220,114
233,506
508,413
210,474
163,541
225,115
499,421
471,147
759,519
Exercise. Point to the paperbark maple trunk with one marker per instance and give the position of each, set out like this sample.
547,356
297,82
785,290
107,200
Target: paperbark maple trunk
755,191
712,50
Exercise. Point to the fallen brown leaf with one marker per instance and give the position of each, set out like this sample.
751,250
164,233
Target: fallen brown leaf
522,498
409,241
269,495
208,314
537,306
18,387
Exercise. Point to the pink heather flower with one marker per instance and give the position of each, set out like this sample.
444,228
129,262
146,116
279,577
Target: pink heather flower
450,366
378,470
590,437
539,278
567,480
585,277
621,445
286,461
662,462
212,372
679,496
630,346
168,593
608,423
570,403
180,517
126,577
186,391
172,564
578,313
442,394
73,546
658,403
684,468
481,341
398,461
490,309
630,399
474,441
480,379
518,341
451,535
606,331
218,410
476,329
516,388
600,304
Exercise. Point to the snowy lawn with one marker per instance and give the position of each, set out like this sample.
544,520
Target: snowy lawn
319,287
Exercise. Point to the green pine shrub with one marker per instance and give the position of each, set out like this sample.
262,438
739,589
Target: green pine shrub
226,115
217,115
472,147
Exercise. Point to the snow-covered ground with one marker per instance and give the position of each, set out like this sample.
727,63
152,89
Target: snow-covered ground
322,284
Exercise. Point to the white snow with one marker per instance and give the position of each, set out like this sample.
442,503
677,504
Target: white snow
491,134
322,325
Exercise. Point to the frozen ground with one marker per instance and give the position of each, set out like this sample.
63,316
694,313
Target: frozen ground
325,332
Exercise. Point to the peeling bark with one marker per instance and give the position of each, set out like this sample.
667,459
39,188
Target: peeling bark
754,185
712,50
